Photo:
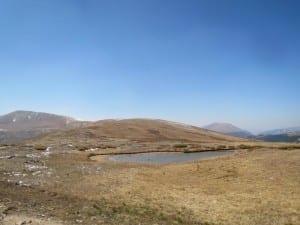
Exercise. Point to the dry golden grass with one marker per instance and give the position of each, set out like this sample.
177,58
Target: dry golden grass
257,187
135,130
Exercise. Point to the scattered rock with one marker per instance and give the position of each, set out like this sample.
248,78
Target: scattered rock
9,209
7,157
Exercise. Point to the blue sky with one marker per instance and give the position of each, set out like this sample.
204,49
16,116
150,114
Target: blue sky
195,61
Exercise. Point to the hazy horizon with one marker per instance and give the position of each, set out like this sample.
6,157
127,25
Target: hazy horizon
194,62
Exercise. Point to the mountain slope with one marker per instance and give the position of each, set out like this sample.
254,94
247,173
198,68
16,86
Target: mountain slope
19,125
229,129
27,120
136,130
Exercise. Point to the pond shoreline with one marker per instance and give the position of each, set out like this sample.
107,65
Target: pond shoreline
157,151
166,157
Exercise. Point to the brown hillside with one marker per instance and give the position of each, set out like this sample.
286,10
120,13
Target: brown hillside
141,130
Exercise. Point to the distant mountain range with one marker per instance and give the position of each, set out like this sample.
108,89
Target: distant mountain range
20,125
229,129
278,135
291,134
281,131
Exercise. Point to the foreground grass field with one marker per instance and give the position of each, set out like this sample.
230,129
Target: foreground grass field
251,187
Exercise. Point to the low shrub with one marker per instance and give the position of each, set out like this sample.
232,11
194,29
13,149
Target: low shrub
242,146
4,145
82,148
40,147
180,146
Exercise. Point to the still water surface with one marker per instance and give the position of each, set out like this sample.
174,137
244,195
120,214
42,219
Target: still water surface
169,157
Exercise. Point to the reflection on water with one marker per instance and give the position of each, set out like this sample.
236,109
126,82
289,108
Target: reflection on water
172,157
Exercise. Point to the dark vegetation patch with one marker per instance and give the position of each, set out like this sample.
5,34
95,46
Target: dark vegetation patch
180,146
40,147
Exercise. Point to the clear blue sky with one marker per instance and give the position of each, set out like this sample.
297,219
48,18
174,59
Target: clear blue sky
193,61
